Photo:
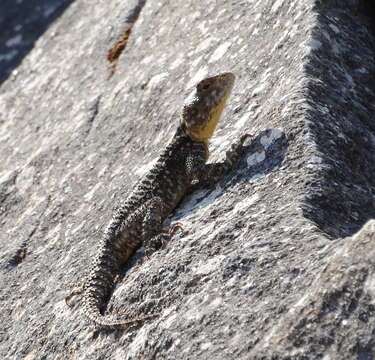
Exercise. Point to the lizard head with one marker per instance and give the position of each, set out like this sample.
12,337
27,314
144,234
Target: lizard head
203,108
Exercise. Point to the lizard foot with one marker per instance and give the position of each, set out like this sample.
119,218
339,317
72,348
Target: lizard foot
245,137
156,243
174,228
76,291
133,323
161,240
232,155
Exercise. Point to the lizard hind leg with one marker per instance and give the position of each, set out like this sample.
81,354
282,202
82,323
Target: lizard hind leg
160,240
154,237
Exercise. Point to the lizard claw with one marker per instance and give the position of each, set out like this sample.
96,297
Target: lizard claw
75,291
245,137
68,300
174,228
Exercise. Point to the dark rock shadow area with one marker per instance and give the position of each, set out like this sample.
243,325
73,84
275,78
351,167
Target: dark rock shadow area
341,86
21,24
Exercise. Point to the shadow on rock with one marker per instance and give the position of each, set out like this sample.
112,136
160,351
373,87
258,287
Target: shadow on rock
263,155
341,197
21,24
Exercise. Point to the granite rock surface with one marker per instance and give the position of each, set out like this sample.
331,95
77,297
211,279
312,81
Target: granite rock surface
274,262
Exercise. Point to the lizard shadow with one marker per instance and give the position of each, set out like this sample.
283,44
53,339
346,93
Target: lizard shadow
263,155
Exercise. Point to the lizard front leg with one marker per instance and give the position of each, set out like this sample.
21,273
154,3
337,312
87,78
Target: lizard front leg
211,173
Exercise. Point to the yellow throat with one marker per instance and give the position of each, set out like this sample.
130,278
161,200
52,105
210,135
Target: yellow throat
203,109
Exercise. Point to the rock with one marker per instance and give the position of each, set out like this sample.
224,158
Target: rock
273,262
333,318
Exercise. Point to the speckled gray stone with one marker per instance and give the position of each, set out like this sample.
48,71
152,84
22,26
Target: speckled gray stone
270,263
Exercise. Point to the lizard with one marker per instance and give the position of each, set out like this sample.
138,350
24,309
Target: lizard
139,220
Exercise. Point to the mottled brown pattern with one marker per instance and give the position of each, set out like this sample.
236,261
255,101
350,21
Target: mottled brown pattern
139,220
115,51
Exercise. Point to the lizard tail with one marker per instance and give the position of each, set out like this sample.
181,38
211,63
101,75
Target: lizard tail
98,288
91,307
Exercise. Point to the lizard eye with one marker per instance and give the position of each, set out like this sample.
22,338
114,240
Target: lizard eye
206,86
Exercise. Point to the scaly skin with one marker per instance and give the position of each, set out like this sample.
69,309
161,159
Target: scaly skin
139,220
